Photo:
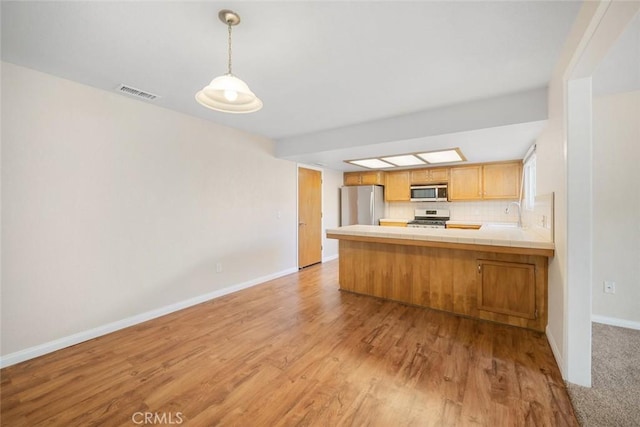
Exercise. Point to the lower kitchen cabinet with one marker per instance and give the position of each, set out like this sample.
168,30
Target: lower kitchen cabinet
386,223
465,226
507,288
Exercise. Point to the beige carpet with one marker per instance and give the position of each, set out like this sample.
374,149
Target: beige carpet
614,398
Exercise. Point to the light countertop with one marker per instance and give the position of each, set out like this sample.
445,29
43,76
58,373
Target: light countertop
488,235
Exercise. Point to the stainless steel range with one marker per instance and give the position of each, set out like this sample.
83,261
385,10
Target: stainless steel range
429,218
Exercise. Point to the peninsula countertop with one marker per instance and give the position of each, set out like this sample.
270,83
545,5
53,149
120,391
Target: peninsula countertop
495,238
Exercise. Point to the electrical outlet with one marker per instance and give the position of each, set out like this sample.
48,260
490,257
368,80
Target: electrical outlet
609,287
219,267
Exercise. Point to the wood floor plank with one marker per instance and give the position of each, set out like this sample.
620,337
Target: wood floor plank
297,351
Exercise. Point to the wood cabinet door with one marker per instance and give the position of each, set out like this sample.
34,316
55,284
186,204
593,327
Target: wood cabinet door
352,178
464,226
501,180
397,187
419,176
371,178
507,288
465,183
429,176
392,224
439,175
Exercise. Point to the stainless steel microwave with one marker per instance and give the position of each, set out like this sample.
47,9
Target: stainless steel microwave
429,193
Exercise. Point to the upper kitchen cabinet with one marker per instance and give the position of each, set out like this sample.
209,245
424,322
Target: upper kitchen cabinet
397,186
465,183
364,178
491,181
502,180
429,176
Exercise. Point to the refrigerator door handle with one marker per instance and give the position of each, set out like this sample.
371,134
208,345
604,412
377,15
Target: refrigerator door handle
371,207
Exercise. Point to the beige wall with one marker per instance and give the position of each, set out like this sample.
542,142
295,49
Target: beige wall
332,181
112,207
616,206
551,159
565,168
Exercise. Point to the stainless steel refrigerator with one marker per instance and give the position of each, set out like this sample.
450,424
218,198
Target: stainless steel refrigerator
361,204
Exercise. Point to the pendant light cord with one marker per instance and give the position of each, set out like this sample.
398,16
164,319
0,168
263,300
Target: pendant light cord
229,25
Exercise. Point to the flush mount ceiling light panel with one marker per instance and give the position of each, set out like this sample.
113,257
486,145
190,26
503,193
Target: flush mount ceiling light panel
371,163
227,93
451,155
443,156
404,160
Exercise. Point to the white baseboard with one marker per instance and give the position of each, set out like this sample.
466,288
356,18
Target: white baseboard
330,258
51,346
556,352
613,321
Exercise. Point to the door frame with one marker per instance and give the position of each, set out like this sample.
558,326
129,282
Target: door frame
608,20
316,168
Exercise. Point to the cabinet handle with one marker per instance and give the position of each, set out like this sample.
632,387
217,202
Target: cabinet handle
479,268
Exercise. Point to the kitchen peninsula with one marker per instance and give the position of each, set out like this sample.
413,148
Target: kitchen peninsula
496,273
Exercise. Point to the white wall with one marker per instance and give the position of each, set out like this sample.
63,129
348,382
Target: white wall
619,70
551,159
616,207
522,107
332,181
596,27
113,207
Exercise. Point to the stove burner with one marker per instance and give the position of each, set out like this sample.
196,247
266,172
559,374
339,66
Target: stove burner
429,218
428,221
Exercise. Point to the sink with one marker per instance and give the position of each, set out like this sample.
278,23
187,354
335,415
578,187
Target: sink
500,225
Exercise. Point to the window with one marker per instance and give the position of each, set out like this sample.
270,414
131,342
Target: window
529,182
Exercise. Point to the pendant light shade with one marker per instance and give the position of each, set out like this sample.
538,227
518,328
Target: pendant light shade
227,93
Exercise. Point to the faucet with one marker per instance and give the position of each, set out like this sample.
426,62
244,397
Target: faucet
508,210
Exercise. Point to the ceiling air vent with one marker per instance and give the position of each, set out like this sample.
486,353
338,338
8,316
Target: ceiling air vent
132,91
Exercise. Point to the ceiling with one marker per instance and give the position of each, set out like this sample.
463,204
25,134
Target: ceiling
316,66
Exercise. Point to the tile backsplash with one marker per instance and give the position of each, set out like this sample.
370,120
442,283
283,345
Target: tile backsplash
482,211
540,219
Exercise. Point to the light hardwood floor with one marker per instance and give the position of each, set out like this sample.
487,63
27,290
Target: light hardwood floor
296,351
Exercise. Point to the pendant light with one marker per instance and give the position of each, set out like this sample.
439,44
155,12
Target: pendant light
227,93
